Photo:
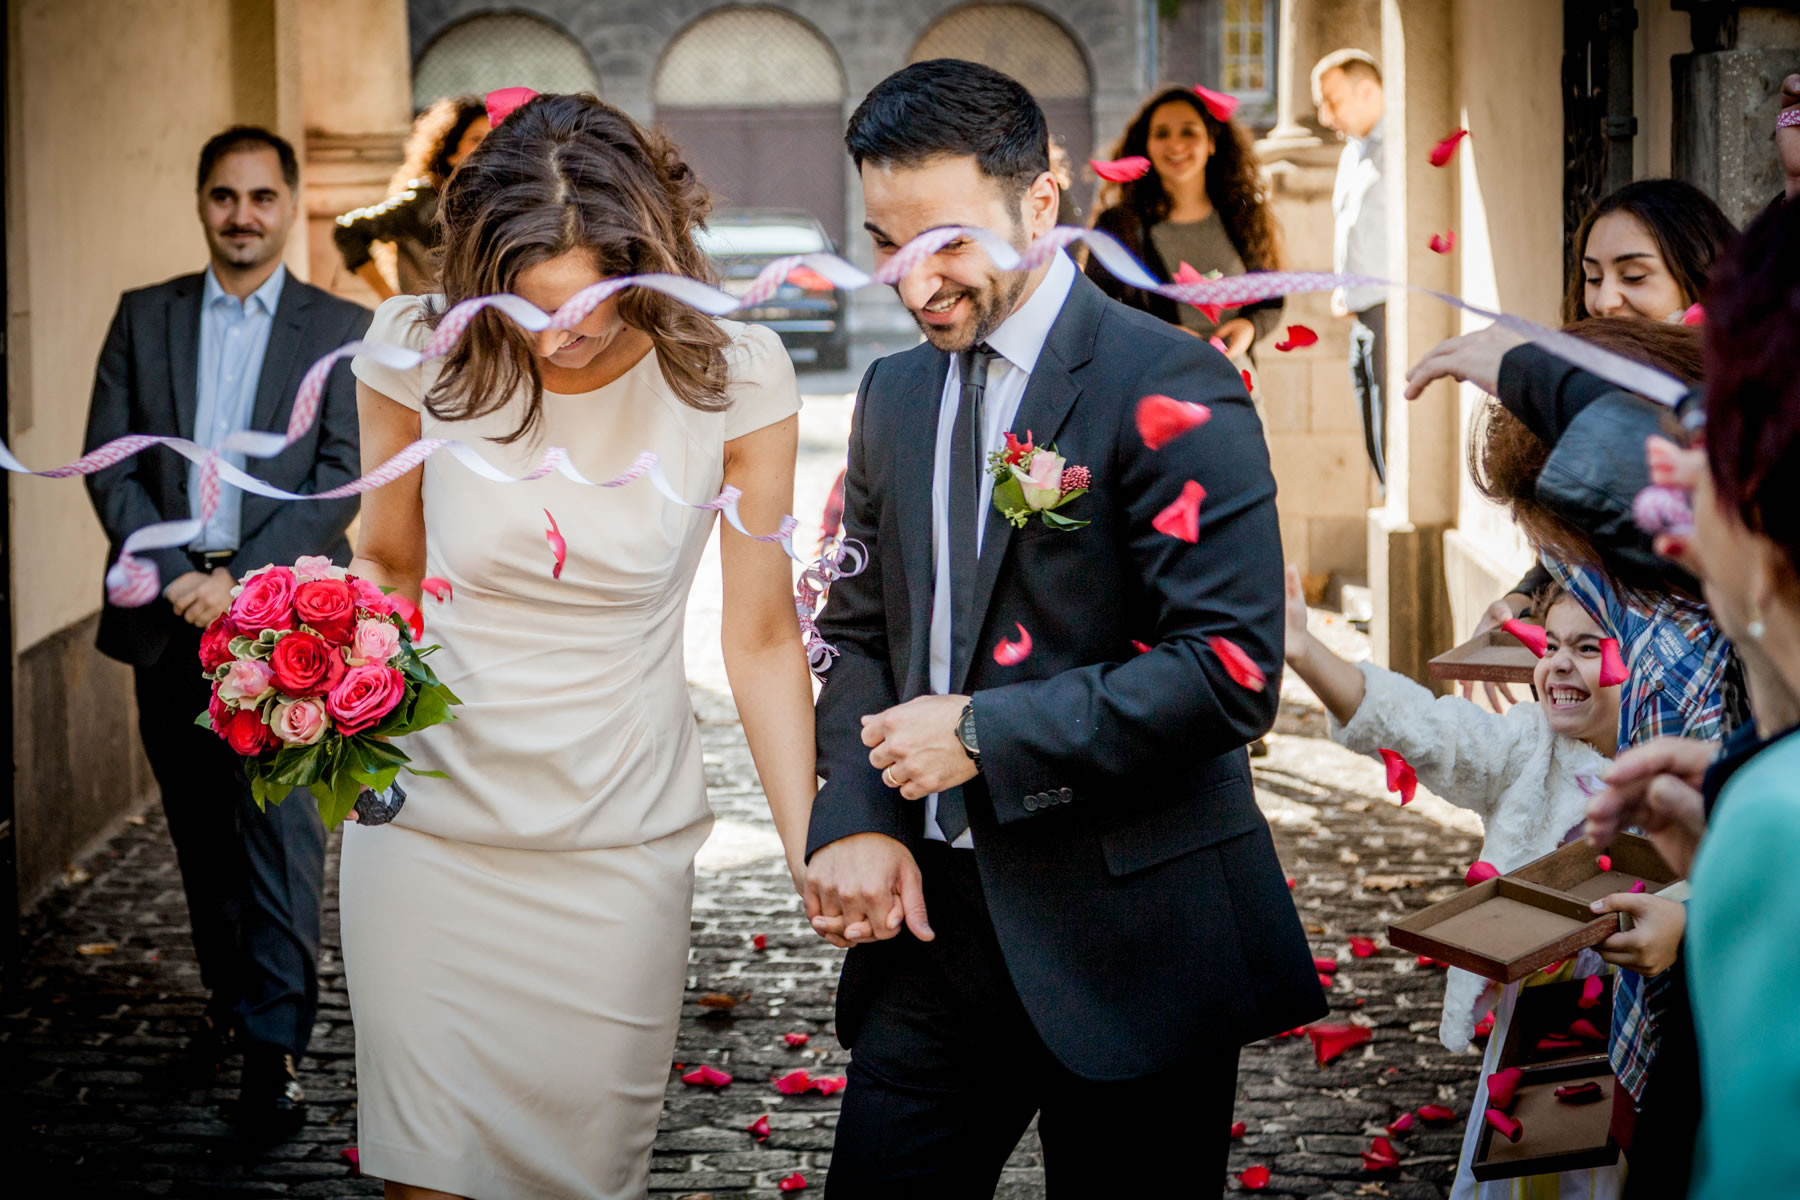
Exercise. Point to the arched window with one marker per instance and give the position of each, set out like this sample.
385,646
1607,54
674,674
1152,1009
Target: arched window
1032,48
499,50
762,129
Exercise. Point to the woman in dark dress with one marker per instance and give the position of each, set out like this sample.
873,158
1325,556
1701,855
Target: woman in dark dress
1200,205
401,231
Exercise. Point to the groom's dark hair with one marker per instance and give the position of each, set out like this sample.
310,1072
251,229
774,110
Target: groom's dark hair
946,106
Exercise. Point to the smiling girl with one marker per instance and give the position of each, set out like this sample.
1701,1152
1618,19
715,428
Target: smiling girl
1646,251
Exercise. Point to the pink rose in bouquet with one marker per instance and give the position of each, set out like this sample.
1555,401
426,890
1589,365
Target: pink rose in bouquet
375,641
304,665
369,596
245,681
366,695
309,567
301,723
247,733
328,606
215,643
265,601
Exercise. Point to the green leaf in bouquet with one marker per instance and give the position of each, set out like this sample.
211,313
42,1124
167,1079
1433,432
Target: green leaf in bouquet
1057,521
204,720
336,795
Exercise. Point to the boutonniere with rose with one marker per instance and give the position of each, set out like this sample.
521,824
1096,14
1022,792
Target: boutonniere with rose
1035,481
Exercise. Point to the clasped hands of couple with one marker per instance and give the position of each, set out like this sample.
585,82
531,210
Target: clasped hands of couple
865,887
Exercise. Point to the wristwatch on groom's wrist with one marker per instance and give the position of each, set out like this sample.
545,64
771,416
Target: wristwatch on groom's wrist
965,733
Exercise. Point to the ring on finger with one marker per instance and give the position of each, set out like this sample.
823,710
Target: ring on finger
887,778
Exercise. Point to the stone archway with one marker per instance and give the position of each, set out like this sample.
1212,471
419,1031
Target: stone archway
497,50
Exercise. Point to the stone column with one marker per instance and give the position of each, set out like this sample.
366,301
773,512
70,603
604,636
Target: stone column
1727,94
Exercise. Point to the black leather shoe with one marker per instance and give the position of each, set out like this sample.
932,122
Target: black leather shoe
271,1105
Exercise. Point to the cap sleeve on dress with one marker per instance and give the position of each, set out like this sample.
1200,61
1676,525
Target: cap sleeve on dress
397,323
763,389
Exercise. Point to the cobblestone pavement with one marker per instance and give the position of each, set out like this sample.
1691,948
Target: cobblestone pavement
90,1042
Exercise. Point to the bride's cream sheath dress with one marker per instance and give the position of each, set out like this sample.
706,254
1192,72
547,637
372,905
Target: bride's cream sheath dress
516,940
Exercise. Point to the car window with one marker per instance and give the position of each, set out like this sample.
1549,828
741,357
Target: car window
725,239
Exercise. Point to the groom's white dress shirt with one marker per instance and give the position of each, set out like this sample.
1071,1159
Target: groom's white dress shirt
1016,345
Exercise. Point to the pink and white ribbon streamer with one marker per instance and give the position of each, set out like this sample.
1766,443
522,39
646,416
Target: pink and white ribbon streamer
132,580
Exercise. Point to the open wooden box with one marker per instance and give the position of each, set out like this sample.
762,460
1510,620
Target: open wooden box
1492,657
1557,1135
1574,869
1550,1008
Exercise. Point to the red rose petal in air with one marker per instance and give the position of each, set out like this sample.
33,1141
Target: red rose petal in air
1239,1129
1695,315
1425,960
1181,519
408,612
558,546
704,1076
1121,170
1362,947
1162,419
1604,862
1255,1178
760,941
1504,1125
1298,338
796,1040
1443,243
760,1127
1446,149
437,589
793,1183
1011,654
827,1086
794,1083
1140,646
1485,1026
1480,872
502,101
1325,981
1400,1124
1249,383
1533,636
1612,664
1291,881
1243,672
1329,1041
1503,1086
1581,1027
1435,1112
1217,344
1637,887
1579,1093
1592,988
1400,775
1219,104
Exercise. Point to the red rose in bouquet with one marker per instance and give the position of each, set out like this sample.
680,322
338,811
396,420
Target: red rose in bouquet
364,696
328,606
264,601
215,643
247,733
304,665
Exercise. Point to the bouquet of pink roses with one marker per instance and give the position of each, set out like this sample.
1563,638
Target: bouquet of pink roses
313,671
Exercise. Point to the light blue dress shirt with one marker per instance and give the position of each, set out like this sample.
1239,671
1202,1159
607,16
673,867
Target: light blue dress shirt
234,337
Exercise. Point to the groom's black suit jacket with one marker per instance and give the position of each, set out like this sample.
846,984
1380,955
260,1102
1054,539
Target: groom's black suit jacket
147,382
1132,882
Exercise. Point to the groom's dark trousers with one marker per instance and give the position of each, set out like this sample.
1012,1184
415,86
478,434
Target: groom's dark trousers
253,879
1121,926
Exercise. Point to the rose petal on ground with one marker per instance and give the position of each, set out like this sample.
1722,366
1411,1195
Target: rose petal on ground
796,1040
794,1083
558,546
1579,1093
1383,1149
1362,947
1255,1178
1612,664
1533,636
1503,1086
1162,419
1445,149
1504,1125
1239,1129
1592,988
760,941
829,1085
1291,881
1581,1027
1329,1041
437,589
1400,1124
1400,775
1011,654
704,1076
760,1127
1298,338
1244,672
1443,243
1181,519
1121,170
351,1155
1480,872
1325,981
1435,1113
1325,965
1141,647
1637,887
793,1183
1604,862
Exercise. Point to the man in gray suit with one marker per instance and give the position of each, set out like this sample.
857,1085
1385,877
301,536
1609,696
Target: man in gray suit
203,356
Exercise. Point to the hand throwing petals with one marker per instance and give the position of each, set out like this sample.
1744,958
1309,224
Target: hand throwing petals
1243,671
1182,518
1534,637
1298,338
1481,872
1011,654
1329,1041
558,546
1612,664
1162,419
1400,775
1443,243
1121,170
437,589
1442,153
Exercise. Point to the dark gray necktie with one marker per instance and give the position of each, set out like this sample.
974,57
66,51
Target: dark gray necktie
968,459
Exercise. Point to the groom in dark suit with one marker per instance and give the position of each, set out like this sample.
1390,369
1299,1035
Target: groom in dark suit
1060,896
203,356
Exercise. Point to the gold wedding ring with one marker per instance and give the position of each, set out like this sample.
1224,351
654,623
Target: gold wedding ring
885,779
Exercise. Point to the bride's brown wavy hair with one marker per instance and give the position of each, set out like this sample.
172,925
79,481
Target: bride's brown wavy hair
571,173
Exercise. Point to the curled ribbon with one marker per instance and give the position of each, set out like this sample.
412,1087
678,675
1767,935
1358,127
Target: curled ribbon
132,581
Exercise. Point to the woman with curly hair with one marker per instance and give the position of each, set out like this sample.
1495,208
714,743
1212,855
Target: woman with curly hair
516,938
401,232
1201,206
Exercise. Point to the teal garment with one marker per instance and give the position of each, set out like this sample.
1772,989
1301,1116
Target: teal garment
1743,946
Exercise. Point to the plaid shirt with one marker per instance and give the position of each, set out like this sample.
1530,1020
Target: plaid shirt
1678,661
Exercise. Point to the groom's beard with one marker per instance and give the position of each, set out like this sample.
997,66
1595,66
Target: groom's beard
988,309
